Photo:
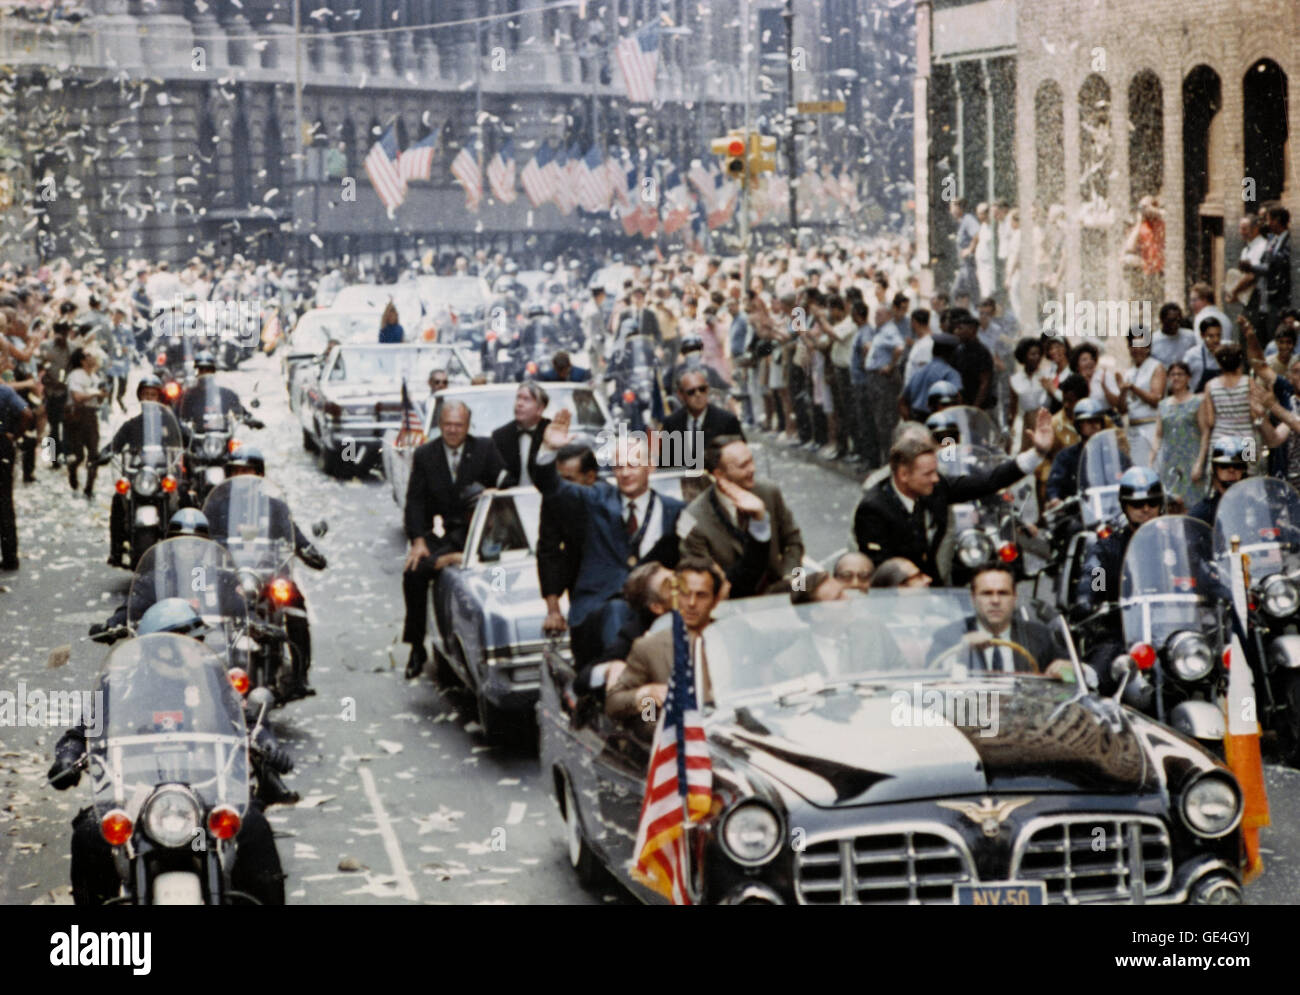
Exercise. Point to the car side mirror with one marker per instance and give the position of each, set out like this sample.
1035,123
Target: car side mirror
320,528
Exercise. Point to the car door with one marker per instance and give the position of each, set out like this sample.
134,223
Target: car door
619,770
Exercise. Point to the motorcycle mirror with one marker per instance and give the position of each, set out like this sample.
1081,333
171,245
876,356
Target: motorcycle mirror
320,528
1122,669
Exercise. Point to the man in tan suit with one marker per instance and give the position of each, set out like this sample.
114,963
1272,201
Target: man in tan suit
643,684
720,527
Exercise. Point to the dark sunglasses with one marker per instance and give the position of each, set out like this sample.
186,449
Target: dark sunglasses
849,575
1144,504
691,392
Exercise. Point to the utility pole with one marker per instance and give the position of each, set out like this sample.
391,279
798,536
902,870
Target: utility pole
478,105
300,155
790,153
746,252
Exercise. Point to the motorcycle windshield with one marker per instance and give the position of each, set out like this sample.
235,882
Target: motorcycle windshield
1170,580
956,460
976,428
1264,513
153,437
1104,459
202,573
247,515
165,713
205,407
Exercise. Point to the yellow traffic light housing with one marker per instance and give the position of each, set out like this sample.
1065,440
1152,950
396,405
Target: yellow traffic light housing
732,149
762,154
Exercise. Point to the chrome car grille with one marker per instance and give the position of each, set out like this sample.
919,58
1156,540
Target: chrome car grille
892,865
1094,858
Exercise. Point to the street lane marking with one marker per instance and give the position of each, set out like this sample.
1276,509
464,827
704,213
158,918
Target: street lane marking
406,887
516,815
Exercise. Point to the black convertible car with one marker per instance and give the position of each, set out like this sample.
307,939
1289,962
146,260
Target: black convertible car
856,763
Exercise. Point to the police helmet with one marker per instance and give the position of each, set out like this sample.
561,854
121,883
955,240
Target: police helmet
171,615
205,359
548,267
944,424
575,265
942,394
188,522
1229,452
1141,483
148,380
691,343
536,311
249,457
511,269
1088,410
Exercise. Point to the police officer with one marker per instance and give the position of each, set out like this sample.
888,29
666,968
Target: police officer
148,390
1227,466
942,394
1063,481
205,365
15,418
1142,498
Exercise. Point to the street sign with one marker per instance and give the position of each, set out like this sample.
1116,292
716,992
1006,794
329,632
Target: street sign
820,107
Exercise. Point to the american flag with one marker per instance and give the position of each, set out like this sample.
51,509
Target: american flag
677,205
381,167
679,784
648,195
465,168
616,177
553,175
723,203
416,163
638,58
501,173
563,194
702,180
534,178
412,431
593,185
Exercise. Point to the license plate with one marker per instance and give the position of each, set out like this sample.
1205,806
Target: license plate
146,515
215,475
1003,893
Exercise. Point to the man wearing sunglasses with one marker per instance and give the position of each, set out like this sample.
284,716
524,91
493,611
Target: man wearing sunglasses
697,423
1142,498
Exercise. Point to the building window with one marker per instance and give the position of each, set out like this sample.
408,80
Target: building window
1094,149
1264,131
1146,141
1204,185
1049,139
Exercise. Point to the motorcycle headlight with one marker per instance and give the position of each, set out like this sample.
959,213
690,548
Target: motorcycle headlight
146,482
974,548
249,586
214,446
751,834
1212,806
1280,596
1190,656
171,817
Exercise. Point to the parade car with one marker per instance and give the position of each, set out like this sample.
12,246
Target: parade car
855,763
374,297
354,397
495,645
311,338
490,407
455,307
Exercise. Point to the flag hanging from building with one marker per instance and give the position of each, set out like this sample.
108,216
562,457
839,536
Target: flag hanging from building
562,187
534,178
416,163
649,197
616,176
679,785
677,204
593,188
630,211
465,168
381,167
553,174
723,203
638,58
1241,743
501,173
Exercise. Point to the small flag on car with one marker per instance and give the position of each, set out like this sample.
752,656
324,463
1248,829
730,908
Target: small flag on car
1241,741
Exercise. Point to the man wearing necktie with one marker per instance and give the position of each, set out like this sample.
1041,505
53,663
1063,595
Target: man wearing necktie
443,472
627,524
518,441
696,423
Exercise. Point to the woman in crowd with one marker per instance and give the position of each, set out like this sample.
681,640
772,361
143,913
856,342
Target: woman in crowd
1085,360
1139,388
1225,406
1030,388
81,418
1057,352
390,331
1178,436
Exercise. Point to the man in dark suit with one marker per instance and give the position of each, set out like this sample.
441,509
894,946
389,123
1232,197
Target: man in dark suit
906,513
627,524
724,532
441,473
561,526
697,422
517,442
563,371
993,593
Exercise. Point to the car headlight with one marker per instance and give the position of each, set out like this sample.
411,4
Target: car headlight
751,834
1280,597
974,548
146,482
1212,806
171,817
1190,656
214,446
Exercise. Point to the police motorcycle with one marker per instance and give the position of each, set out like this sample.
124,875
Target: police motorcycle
211,415
173,363
529,349
167,750
148,478
1173,602
247,515
633,373
1263,515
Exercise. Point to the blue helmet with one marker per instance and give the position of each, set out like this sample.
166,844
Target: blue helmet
188,522
1141,483
148,380
942,394
205,358
248,456
943,423
1229,452
171,615
1088,410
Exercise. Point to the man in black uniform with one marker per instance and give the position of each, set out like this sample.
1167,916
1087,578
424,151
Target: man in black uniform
1063,481
1227,466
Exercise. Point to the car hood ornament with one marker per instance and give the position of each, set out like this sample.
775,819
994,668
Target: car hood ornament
987,813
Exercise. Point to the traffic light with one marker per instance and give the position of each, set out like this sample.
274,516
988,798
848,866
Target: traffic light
762,153
732,149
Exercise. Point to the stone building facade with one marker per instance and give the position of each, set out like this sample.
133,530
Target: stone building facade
1090,105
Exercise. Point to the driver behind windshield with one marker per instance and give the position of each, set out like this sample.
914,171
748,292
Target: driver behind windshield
993,595
642,686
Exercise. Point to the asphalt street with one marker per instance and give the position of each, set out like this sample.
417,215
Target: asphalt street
402,800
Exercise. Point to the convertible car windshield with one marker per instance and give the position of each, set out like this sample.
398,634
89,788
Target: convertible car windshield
393,363
781,647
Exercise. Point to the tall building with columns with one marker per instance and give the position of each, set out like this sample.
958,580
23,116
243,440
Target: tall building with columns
1087,106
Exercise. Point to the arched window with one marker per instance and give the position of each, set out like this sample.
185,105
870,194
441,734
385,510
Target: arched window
241,163
1204,155
273,149
1049,139
1146,161
1094,144
348,136
1264,131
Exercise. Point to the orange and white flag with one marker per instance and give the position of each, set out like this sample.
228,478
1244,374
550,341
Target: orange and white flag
1241,742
